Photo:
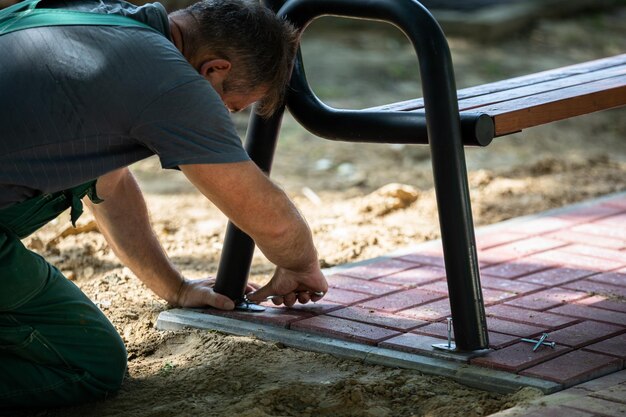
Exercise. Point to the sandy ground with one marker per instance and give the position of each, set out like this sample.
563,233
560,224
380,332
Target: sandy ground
338,188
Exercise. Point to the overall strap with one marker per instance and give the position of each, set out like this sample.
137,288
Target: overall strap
23,15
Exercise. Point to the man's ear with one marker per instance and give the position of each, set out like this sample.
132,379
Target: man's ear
215,70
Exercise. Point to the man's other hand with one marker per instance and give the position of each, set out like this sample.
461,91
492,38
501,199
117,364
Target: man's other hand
287,287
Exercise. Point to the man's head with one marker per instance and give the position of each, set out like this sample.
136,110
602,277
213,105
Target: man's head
241,47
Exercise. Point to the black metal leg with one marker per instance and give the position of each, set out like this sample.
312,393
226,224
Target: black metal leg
232,274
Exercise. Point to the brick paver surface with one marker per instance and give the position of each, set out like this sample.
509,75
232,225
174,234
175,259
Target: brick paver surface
564,274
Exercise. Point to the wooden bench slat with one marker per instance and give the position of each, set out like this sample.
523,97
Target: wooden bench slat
527,80
515,115
541,88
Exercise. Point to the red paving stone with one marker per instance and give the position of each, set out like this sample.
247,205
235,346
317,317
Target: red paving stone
595,287
601,230
595,240
345,297
514,328
440,329
378,318
416,276
360,285
402,300
514,270
560,257
546,299
509,285
424,259
615,346
613,278
518,357
575,367
486,241
345,329
600,301
563,274
538,318
596,252
556,276
429,312
585,333
591,313
377,269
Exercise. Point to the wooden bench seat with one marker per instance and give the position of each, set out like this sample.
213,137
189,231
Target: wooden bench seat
532,100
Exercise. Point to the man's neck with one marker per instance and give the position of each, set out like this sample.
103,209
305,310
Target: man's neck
177,36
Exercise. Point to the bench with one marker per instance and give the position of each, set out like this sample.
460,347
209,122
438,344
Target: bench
444,119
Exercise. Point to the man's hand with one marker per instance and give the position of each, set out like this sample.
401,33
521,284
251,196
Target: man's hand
289,286
200,293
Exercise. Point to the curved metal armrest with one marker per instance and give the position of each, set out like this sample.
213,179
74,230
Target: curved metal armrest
368,125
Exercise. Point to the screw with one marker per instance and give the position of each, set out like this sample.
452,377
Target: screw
551,344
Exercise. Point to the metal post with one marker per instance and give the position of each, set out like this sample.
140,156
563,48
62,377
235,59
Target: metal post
234,268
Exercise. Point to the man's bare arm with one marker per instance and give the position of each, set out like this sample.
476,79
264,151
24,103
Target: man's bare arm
123,220
262,210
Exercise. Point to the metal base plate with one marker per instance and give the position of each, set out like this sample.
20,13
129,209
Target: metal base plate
445,346
249,307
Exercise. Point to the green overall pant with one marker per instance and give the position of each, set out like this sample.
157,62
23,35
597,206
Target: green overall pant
56,346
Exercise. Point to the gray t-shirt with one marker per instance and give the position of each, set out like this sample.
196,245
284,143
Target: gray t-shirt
77,102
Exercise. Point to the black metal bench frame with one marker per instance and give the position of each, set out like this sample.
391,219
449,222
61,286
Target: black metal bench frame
441,127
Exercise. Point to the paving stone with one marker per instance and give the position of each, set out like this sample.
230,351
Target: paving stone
536,318
429,312
546,299
514,269
402,300
345,297
360,285
601,230
550,411
415,277
520,248
377,269
514,286
541,225
274,316
595,287
596,252
616,393
518,357
410,342
424,259
559,257
591,213
604,382
585,333
556,276
513,328
613,278
574,367
490,296
590,313
598,406
378,318
618,220
344,329
489,240
616,202
595,240
440,329
615,346
600,301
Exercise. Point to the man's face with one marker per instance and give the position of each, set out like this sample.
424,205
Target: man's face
235,101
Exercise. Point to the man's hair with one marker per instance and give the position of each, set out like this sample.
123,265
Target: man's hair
260,46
